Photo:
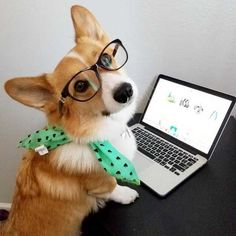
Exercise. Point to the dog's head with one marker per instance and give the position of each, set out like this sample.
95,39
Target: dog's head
88,90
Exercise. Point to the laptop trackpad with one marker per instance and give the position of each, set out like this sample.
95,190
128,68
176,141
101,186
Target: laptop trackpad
141,162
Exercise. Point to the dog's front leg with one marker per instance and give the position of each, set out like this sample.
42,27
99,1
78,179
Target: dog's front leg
100,185
105,187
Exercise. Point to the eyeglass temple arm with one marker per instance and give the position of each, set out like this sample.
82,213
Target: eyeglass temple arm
115,50
62,100
60,105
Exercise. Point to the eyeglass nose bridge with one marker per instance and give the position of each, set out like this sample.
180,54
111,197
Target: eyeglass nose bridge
95,69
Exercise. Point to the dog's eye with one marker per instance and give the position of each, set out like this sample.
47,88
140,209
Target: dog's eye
81,86
106,60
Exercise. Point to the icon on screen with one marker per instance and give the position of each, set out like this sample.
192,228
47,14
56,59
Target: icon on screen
198,109
173,130
171,98
214,115
184,102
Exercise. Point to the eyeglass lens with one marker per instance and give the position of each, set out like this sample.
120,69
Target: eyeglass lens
84,85
113,57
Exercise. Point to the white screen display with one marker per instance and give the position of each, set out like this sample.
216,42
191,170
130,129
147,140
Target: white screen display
192,116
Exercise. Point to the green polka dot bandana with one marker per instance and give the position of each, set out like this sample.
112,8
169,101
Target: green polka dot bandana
51,138
114,162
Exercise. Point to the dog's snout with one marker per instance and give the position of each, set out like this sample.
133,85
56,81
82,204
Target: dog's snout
123,93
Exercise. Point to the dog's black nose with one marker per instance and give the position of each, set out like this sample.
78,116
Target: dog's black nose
123,93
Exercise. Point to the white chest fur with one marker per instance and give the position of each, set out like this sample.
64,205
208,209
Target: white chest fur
80,157
76,157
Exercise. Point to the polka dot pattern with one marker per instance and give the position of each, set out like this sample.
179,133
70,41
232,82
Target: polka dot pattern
114,162
50,137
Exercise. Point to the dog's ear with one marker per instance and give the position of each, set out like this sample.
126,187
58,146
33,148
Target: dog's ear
31,91
86,25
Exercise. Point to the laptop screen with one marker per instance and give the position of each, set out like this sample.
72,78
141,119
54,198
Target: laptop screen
187,114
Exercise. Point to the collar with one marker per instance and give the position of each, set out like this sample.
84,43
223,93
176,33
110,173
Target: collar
112,161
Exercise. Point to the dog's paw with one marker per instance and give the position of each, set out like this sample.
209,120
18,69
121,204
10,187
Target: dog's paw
123,195
98,204
101,203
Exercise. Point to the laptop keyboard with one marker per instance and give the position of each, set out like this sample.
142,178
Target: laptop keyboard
171,157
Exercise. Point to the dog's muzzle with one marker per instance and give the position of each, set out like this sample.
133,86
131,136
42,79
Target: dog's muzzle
123,93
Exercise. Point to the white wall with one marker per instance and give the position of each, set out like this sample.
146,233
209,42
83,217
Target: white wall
188,39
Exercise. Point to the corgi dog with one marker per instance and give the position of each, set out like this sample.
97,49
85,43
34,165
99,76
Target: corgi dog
91,98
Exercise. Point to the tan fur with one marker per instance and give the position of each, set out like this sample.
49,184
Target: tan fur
50,201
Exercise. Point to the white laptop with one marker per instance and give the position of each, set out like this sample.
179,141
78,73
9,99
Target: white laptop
178,132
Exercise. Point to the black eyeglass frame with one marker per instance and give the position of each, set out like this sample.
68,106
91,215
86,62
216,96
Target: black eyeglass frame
65,92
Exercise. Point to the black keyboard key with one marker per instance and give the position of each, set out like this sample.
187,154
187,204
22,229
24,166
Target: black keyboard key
178,167
172,169
171,162
158,160
182,165
191,160
189,164
156,153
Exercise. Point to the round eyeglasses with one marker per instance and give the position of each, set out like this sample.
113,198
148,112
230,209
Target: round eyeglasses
85,84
